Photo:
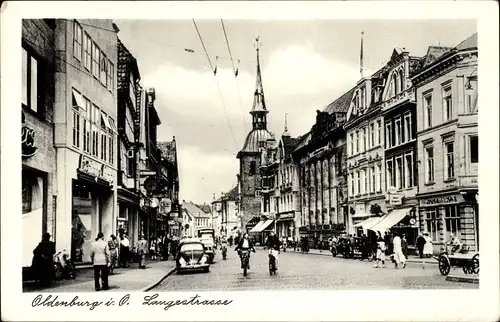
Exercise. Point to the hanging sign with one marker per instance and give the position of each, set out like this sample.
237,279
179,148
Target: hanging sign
165,206
95,169
28,146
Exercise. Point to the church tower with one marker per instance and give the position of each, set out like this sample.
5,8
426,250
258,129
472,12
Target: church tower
250,155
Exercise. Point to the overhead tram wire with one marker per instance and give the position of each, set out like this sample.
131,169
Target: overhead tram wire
218,85
235,76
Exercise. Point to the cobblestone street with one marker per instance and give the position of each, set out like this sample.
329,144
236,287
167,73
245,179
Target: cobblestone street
308,271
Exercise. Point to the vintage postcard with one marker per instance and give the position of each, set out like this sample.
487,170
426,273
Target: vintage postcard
249,161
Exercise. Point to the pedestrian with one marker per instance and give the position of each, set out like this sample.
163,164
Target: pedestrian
294,244
43,260
380,252
164,244
101,260
142,249
124,250
428,249
113,245
152,248
399,258
173,247
420,245
404,246
387,242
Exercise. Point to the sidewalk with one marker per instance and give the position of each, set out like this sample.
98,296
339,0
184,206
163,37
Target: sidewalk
123,279
411,259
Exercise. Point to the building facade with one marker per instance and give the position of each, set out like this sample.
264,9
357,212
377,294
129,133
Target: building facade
169,204
365,154
287,189
447,141
249,179
85,113
195,218
129,101
39,196
320,157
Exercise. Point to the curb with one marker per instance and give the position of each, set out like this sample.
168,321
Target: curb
328,253
463,279
155,284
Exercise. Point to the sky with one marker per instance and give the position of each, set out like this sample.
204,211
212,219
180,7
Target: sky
305,66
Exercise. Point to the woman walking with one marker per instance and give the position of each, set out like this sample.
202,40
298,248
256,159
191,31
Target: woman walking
142,250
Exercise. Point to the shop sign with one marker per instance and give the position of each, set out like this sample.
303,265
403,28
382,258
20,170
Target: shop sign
165,205
82,205
396,200
28,147
95,169
444,200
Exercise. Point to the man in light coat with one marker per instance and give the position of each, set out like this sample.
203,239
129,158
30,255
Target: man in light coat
101,259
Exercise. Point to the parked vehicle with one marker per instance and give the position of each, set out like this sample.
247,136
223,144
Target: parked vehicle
469,261
207,237
63,266
191,255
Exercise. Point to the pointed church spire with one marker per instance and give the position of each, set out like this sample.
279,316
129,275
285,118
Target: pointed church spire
259,110
286,126
361,56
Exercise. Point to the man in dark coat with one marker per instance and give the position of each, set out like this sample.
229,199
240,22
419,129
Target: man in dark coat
420,245
273,242
43,260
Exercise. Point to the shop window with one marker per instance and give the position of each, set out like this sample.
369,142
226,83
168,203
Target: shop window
431,221
429,164
77,41
27,190
449,162
30,81
451,221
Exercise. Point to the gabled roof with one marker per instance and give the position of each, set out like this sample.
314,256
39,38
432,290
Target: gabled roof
433,53
341,104
289,144
168,150
205,208
469,43
232,194
303,140
194,210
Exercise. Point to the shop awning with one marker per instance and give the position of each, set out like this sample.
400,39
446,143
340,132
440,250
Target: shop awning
262,225
369,223
391,219
256,228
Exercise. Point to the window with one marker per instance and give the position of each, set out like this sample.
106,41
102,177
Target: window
104,120
472,95
351,183
362,98
474,149
431,220
451,221
428,111
366,180
104,69
372,180
96,115
390,173
396,83
111,149
388,134
76,128
129,128
397,125
95,59
372,135
407,128
450,170
111,75
429,164
447,104
379,177
357,141
87,51
104,149
399,173
365,139
401,80
86,126
379,128
29,97
409,170
253,167
77,41
352,144
358,179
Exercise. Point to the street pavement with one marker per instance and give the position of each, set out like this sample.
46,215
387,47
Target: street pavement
298,271
123,280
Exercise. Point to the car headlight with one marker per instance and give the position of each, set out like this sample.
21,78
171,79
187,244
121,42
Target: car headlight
182,262
203,259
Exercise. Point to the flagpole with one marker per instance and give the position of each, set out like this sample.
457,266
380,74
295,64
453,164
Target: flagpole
361,56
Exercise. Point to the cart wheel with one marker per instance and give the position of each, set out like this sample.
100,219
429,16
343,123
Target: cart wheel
468,269
444,265
475,264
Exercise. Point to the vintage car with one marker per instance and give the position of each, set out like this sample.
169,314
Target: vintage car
191,255
207,237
